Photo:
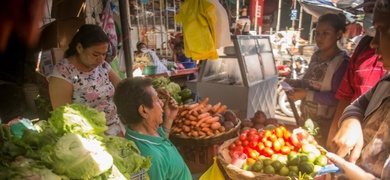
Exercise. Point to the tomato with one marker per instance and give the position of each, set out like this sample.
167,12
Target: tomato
264,139
247,150
253,137
232,146
267,133
245,143
273,137
253,144
260,146
250,161
231,153
245,131
239,148
282,128
268,151
285,150
276,146
286,135
254,154
243,136
238,142
282,142
268,144
278,132
252,131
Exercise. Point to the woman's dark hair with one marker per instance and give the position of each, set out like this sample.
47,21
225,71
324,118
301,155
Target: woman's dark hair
129,95
338,21
179,44
382,5
88,35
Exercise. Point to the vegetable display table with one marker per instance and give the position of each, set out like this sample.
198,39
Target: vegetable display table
179,77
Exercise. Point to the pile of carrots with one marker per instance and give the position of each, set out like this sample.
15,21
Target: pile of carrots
199,119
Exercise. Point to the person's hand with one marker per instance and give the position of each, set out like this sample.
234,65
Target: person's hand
329,143
170,105
351,170
297,94
293,82
349,138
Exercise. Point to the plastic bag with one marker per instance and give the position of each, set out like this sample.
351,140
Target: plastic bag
213,172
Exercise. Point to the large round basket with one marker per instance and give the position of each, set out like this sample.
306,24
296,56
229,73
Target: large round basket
236,173
206,140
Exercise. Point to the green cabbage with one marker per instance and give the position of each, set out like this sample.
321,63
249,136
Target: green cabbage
80,158
79,119
173,88
126,155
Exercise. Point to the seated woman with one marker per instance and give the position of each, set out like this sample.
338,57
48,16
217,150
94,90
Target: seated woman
148,121
147,57
179,55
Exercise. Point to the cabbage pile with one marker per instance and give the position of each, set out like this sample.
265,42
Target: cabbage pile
172,87
70,145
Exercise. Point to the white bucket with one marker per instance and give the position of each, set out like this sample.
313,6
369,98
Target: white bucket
31,92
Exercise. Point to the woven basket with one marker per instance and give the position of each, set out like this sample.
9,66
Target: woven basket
236,173
206,140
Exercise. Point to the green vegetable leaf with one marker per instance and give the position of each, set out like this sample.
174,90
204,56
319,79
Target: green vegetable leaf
78,118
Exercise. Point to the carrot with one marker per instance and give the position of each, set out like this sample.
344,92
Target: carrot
195,113
207,108
222,129
206,129
196,108
187,122
216,132
221,109
205,125
212,120
195,133
205,101
215,125
183,113
209,133
191,117
201,133
202,120
201,116
193,123
186,128
215,107
192,106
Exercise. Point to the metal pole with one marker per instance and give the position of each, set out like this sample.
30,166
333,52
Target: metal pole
256,14
293,21
237,10
279,10
161,25
300,22
167,23
126,37
138,24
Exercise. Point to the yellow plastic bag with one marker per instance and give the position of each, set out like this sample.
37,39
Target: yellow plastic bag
213,173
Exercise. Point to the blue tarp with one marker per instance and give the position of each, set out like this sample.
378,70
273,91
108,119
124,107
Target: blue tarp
319,7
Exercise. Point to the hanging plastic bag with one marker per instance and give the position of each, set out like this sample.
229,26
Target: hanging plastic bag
213,172
121,59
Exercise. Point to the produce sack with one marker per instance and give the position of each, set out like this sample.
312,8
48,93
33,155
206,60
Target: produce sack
213,172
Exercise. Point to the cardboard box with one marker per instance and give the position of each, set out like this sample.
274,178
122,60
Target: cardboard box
48,58
59,33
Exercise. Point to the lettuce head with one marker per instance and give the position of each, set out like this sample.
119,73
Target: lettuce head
78,118
80,158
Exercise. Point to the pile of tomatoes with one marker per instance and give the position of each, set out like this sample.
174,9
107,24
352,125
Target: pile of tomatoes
267,143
